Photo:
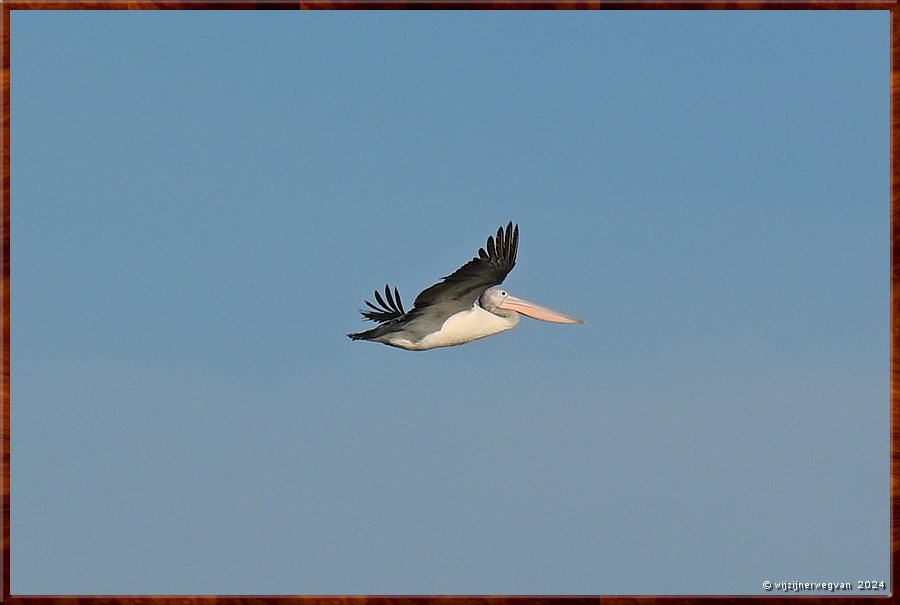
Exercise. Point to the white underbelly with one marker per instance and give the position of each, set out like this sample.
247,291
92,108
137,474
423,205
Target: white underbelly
467,326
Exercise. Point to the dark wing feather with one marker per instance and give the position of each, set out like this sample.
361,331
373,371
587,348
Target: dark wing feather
488,269
385,311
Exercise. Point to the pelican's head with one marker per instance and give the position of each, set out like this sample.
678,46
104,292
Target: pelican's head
497,299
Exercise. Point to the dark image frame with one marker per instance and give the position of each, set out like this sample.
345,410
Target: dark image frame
9,5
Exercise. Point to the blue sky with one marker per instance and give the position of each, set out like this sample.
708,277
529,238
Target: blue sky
202,200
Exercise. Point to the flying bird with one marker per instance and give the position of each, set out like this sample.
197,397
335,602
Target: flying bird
464,306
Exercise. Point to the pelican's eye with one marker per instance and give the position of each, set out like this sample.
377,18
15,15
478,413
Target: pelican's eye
502,292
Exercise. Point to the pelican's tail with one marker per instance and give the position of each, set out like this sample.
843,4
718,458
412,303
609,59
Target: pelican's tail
371,334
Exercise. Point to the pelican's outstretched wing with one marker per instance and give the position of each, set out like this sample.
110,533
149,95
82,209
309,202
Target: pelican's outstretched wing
489,268
385,311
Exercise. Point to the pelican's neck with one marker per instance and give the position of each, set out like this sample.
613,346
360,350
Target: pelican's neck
511,317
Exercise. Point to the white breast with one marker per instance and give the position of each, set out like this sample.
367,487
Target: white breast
467,326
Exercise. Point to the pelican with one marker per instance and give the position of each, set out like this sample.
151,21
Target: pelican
464,306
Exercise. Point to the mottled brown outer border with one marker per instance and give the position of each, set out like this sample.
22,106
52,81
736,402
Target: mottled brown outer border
6,6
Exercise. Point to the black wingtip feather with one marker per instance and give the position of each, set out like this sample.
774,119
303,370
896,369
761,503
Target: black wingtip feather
389,296
389,306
